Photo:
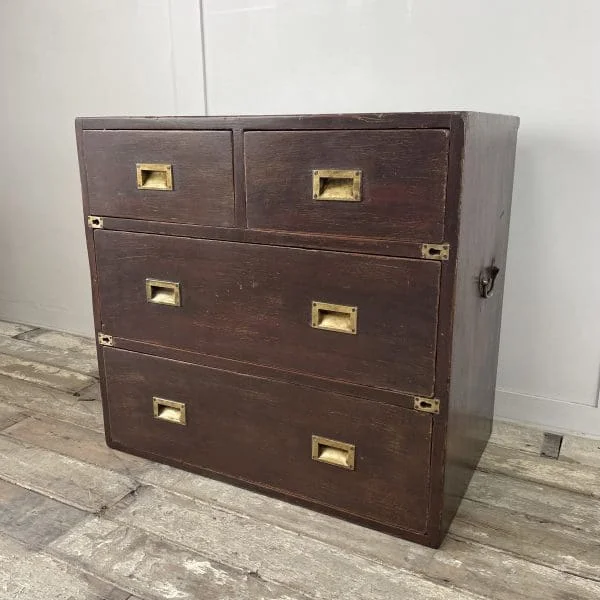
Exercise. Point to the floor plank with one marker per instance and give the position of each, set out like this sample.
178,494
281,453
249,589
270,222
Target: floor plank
536,539
42,374
270,536
33,575
522,465
537,501
12,329
156,569
60,405
575,449
77,442
90,393
33,519
60,477
9,415
57,357
62,341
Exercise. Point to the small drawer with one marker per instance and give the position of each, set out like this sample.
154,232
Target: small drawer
388,184
169,176
361,319
360,457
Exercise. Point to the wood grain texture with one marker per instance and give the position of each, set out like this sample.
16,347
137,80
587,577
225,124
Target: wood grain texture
415,120
274,553
156,569
42,374
542,502
403,182
359,564
485,200
464,561
32,399
12,329
33,575
9,415
574,477
202,175
56,357
574,449
271,238
260,431
80,443
70,481
253,303
33,519
538,540
431,337
60,340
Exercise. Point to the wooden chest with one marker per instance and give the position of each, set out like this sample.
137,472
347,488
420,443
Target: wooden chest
308,306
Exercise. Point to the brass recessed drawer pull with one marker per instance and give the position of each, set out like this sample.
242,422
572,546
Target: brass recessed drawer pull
169,410
333,452
163,292
334,317
153,176
337,184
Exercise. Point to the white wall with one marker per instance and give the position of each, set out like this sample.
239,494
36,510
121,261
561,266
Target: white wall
538,59
59,60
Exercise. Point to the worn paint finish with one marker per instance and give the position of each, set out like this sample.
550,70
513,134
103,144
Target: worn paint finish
33,519
538,501
62,341
31,575
156,569
42,374
575,449
460,563
12,329
527,530
574,477
9,415
56,357
65,479
77,442
34,399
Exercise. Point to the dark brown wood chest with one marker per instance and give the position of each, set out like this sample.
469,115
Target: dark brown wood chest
308,306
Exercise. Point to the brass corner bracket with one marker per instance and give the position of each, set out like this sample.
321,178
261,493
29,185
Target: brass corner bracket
105,339
95,222
435,251
428,405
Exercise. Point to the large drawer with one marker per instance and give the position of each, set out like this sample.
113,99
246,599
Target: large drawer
170,176
261,431
381,184
257,304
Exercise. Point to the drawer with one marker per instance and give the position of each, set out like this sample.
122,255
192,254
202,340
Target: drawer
383,184
170,176
261,431
257,304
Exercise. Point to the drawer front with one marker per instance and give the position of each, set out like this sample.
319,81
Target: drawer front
170,176
262,431
257,304
382,184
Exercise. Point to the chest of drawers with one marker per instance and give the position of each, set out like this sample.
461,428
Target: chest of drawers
308,306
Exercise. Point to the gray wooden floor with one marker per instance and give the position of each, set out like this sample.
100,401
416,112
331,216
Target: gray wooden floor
81,521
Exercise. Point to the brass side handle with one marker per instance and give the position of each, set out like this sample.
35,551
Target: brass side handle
169,410
333,452
335,317
154,176
487,280
163,292
342,185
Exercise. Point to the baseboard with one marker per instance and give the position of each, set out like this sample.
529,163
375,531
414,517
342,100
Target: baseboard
544,412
